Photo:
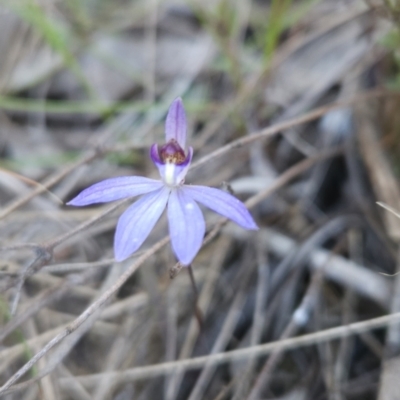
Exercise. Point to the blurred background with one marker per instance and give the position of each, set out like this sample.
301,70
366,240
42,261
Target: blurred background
305,95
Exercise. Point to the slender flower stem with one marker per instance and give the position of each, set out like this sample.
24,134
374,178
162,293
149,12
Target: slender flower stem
197,311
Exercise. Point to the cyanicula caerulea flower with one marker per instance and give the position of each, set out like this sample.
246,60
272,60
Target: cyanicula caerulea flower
186,222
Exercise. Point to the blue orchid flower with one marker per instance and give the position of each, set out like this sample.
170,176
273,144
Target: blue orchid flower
186,221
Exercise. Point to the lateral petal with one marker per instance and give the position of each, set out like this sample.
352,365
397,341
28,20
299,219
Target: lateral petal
222,203
186,225
155,154
175,124
115,189
136,223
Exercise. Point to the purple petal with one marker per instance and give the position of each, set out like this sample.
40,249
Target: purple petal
175,124
115,189
184,167
186,226
155,154
136,223
222,203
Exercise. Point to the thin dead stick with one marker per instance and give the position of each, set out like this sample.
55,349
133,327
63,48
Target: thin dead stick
86,314
62,238
388,208
48,183
292,173
52,180
282,126
21,279
43,300
31,182
45,250
168,368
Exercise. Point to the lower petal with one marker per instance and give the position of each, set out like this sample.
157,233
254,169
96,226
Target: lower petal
186,226
136,223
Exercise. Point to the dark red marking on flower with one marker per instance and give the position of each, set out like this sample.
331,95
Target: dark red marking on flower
172,153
